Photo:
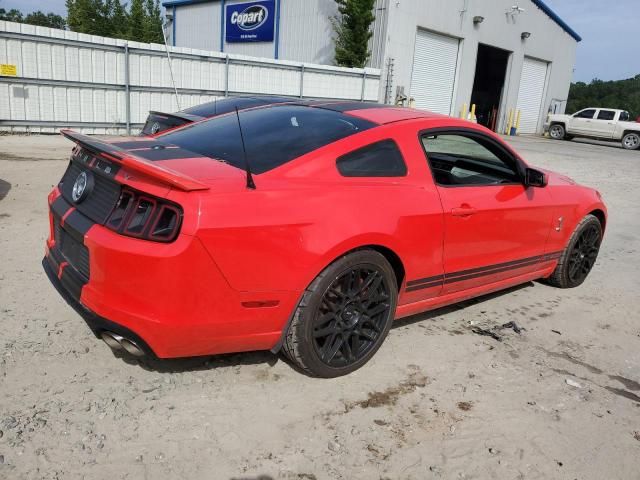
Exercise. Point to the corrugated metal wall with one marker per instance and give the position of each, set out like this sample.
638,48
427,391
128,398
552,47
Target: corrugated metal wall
198,26
306,33
66,79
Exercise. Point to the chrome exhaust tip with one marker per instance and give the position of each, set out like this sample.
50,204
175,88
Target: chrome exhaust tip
131,347
119,343
113,340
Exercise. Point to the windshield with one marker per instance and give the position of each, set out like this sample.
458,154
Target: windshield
273,135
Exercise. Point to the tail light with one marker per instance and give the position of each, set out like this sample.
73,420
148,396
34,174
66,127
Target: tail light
143,216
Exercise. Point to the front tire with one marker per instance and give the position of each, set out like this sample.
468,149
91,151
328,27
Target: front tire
344,315
579,256
557,131
631,141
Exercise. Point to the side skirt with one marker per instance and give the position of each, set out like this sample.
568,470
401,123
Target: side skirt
437,302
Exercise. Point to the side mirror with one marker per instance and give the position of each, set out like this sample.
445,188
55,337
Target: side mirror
535,178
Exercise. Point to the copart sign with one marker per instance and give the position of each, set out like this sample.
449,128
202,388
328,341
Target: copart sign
250,22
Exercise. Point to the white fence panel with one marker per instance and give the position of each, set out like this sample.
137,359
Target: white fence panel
104,85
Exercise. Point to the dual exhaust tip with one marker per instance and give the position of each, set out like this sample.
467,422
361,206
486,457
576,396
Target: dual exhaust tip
120,343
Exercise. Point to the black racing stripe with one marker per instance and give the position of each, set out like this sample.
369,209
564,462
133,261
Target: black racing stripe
437,283
133,144
72,281
351,106
470,276
60,206
424,280
77,225
430,282
168,153
512,263
54,259
553,255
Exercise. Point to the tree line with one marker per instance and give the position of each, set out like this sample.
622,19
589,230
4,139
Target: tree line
140,21
618,94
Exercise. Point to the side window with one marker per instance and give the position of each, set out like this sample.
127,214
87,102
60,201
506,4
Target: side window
624,117
585,114
461,160
606,115
380,159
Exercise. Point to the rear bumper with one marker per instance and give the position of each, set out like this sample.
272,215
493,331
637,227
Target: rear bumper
169,297
96,323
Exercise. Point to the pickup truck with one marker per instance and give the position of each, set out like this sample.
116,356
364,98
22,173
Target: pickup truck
599,123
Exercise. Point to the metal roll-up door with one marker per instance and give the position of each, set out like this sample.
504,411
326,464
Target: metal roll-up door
434,71
532,83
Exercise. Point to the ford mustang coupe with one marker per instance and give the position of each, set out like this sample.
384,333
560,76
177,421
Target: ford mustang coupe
306,228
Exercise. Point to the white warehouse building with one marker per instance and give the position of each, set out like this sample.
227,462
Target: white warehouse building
502,56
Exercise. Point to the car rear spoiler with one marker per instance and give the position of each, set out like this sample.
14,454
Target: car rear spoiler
134,163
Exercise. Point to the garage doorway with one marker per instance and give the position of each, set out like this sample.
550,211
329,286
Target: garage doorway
488,86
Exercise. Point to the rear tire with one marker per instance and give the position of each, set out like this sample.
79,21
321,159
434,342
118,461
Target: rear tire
343,316
557,131
631,141
579,256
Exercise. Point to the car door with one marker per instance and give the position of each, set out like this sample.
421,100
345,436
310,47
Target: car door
604,124
581,122
495,228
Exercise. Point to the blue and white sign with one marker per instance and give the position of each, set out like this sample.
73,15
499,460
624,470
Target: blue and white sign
250,22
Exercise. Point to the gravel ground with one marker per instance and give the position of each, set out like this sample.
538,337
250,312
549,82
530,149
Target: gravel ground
560,400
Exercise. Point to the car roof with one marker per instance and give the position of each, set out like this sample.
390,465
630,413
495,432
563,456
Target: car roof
227,104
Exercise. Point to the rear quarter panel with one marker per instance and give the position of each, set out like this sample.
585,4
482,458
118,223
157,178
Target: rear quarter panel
304,215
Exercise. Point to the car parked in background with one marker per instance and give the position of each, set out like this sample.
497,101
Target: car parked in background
599,123
158,122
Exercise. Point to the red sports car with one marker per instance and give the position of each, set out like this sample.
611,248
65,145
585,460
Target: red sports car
306,228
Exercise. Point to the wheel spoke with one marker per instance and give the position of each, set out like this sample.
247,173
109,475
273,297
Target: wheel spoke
368,335
346,350
332,347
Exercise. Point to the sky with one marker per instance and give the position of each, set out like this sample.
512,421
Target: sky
609,31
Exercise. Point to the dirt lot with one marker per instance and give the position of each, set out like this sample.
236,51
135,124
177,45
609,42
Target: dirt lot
559,401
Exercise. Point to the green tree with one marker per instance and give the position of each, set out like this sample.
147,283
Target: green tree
152,28
12,15
136,21
352,26
119,20
86,16
42,19
618,94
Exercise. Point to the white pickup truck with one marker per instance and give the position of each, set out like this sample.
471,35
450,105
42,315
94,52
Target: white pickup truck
600,123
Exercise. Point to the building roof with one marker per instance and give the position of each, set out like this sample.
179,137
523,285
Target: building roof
554,16
538,3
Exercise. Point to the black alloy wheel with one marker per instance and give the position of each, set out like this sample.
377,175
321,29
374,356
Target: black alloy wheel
352,316
584,253
343,316
580,255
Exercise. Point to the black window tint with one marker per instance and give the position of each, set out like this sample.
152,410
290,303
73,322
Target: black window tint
273,135
624,116
586,114
459,159
380,159
606,115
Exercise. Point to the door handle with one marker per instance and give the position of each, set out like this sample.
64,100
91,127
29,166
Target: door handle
463,211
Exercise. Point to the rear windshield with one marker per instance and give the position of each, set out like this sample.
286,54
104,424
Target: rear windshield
273,135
